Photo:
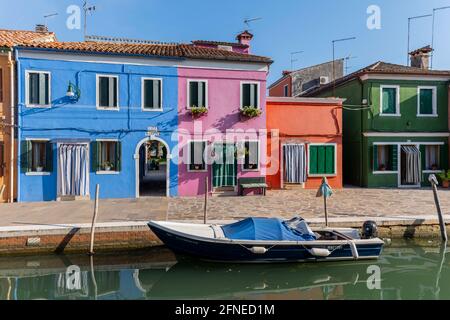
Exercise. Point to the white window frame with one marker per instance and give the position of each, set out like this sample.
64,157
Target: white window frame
143,79
104,172
335,160
397,101
376,172
35,173
259,156
27,89
241,91
97,92
189,155
286,90
188,92
435,113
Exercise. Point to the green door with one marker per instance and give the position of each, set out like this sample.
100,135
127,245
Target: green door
225,166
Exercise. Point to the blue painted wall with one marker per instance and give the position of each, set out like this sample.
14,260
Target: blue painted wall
80,119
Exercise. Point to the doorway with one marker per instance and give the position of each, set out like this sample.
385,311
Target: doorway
153,169
410,166
293,164
224,169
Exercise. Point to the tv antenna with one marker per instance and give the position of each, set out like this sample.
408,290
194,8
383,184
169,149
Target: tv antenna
50,15
346,60
293,59
247,21
87,10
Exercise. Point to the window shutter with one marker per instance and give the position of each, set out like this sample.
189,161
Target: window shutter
321,158
94,156
193,94
156,92
313,160
423,156
426,101
245,95
389,100
443,154
118,165
49,157
375,158
394,157
25,157
329,159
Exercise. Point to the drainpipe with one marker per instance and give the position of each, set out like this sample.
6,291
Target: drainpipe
12,132
361,162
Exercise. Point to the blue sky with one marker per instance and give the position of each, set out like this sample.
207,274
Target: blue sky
286,26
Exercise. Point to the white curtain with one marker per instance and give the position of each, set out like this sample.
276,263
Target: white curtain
294,163
412,164
73,170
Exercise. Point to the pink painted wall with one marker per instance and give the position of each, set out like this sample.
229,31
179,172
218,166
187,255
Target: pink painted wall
224,88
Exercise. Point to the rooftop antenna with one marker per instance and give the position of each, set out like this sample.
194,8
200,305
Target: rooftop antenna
346,60
294,60
51,15
334,67
409,33
432,31
247,21
87,9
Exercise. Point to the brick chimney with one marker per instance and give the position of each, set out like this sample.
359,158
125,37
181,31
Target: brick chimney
245,38
286,72
420,58
41,28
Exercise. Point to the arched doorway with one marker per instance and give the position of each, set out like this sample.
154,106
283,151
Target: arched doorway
152,168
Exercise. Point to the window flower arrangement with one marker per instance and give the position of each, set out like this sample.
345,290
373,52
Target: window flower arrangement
198,111
107,165
250,112
445,179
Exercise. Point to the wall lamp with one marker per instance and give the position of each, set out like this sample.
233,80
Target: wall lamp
73,91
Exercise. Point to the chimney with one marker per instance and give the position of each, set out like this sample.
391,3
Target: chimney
245,38
420,58
286,72
41,28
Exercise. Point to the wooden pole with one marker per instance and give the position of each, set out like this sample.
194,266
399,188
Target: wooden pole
325,207
434,184
205,208
94,219
94,282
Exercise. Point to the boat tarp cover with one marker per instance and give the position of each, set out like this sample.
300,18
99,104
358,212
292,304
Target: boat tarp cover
262,229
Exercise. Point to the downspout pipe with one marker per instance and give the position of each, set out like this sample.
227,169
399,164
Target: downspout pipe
12,132
361,162
16,64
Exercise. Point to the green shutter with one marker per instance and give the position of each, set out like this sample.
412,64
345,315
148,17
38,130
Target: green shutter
423,156
193,94
313,160
25,156
321,159
246,95
426,101
118,165
48,157
95,148
329,160
375,158
443,156
389,100
394,157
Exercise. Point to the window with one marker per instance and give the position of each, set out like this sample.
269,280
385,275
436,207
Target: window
106,156
432,158
197,94
250,95
385,158
426,101
322,159
286,91
197,156
107,92
37,156
38,89
151,94
1,85
251,157
390,100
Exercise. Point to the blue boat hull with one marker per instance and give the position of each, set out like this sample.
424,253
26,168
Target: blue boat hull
236,252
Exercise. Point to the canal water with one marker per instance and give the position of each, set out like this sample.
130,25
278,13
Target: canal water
404,271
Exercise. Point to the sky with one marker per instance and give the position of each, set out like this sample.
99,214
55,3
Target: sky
285,26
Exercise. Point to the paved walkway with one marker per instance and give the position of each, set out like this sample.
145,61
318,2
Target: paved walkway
347,204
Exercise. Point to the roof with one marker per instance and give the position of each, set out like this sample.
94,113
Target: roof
162,50
426,49
11,38
220,43
381,67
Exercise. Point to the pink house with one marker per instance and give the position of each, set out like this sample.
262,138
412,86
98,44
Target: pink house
220,141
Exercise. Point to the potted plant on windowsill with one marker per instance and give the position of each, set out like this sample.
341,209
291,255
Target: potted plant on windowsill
197,167
250,112
107,166
197,112
445,179
382,168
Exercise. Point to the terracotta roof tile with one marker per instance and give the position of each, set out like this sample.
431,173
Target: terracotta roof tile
220,43
163,50
11,38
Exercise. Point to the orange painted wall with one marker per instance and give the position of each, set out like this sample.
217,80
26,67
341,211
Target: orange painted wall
278,90
303,122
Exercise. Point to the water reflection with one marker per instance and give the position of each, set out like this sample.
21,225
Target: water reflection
406,272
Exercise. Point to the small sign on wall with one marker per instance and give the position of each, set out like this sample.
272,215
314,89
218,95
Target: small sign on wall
152,132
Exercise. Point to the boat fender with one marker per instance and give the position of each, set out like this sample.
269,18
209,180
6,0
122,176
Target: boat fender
318,252
355,253
258,250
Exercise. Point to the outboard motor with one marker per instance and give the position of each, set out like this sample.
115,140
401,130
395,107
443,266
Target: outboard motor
369,230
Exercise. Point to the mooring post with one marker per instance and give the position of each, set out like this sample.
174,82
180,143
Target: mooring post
325,208
205,207
94,219
434,184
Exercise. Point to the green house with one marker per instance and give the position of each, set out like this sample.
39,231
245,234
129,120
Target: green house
396,122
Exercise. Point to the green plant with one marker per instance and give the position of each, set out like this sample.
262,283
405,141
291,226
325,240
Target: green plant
444,176
198,111
107,165
250,112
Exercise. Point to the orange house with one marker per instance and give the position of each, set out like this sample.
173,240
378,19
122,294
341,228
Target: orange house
304,142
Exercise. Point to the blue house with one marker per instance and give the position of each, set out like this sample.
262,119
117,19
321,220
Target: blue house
93,114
